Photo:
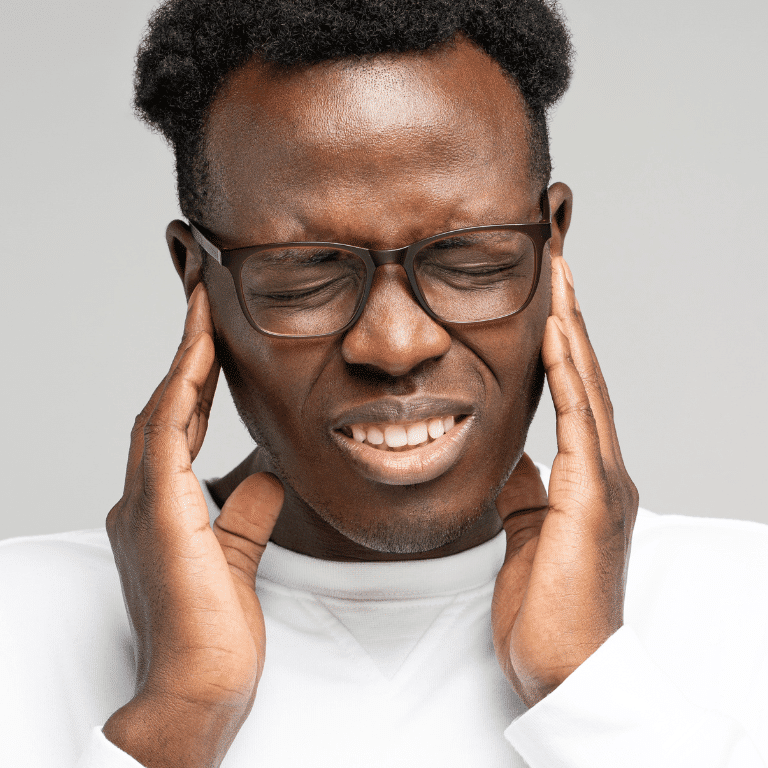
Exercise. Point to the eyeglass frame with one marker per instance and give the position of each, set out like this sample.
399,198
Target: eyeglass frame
233,259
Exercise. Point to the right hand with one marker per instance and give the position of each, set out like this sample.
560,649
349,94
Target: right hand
189,589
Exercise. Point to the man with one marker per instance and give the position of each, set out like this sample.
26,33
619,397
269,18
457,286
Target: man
375,259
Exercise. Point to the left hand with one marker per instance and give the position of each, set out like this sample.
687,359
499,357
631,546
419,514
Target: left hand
560,593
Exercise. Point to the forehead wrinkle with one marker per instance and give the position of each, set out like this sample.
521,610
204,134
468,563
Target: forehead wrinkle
360,216
385,215
468,188
359,126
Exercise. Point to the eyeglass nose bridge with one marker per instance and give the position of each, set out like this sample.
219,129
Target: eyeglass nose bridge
397,256
391,256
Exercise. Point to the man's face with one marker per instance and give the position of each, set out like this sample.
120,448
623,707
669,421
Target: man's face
378,154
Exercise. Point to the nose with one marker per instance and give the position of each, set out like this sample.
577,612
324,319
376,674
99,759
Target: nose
394,333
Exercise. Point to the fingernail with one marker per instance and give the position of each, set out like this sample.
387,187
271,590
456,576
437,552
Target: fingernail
567,272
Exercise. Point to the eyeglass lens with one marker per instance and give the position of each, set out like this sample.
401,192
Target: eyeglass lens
307,290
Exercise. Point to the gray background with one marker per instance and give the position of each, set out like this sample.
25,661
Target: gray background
662,138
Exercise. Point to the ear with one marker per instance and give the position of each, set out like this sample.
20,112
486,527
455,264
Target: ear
185,254
561,205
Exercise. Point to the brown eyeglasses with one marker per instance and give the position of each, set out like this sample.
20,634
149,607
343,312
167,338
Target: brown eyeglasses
313,289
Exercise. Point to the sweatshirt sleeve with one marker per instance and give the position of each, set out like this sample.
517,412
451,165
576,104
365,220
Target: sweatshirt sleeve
100,752
618,707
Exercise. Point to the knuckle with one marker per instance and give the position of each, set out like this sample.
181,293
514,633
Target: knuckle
622,499
206,403
592,383
139,421
112,521
157,430
152,429
580,409
634,495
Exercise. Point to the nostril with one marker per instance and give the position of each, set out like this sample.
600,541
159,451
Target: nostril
371,375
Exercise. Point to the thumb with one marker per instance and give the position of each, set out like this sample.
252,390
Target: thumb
246,521
522,506
523,492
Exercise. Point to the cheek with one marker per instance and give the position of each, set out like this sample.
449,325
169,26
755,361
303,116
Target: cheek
520,364
510,349
270,379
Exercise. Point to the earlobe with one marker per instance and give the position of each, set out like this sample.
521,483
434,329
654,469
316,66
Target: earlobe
185,255
561,205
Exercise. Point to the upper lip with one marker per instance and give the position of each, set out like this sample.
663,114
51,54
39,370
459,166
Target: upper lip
398,410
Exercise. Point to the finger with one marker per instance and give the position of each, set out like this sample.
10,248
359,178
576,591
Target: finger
614,437
246,522
565,306
199,425
577,436
197,320
201,323
166,447
610,429
522,506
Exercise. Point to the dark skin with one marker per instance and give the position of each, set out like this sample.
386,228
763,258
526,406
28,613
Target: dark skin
377,154
311,175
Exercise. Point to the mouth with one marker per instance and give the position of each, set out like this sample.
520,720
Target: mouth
401,437
405,452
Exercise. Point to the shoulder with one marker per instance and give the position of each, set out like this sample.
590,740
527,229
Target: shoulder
66,639
695,596
718,542
71,572
697,560
685,571
739,546
61,553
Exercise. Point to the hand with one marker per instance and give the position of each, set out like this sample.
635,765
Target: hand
189,589
560,593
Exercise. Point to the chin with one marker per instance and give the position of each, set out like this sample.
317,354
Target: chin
405,519
407,532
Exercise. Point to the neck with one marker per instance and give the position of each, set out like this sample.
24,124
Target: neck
300,529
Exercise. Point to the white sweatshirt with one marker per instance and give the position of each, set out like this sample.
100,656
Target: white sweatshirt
391,664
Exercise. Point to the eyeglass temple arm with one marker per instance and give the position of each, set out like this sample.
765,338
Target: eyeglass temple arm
546,216
205,243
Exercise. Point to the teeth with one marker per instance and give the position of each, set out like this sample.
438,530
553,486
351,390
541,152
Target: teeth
436,428
396,436
417,433
399,436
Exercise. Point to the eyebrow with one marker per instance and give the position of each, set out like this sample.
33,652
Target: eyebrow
454,242
313,254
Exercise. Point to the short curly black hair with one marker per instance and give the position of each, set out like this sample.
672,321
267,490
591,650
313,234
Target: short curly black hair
192,45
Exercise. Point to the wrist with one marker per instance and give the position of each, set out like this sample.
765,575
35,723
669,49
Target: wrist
171,733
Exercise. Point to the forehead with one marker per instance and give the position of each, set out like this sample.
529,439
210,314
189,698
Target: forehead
397,129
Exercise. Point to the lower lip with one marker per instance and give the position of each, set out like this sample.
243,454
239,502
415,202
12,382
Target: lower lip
418,465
